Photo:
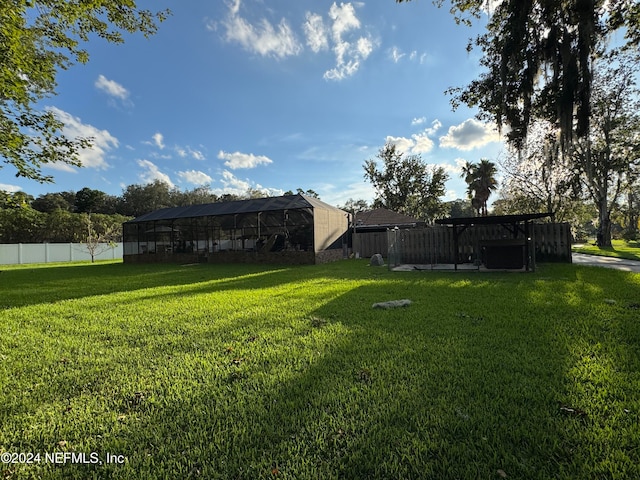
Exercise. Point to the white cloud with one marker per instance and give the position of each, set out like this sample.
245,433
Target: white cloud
280,41
315,32
418,143
413,56
195,177
92,157
396,54
262,38
243,160
489,6
364,47
460,163
4,187
111,88
233,185
418,121
196,154
453,170
349,54
340,194
151,173
433,129
234,7
184,152
422,143
451,195
158,140
402,144
469,134
344,19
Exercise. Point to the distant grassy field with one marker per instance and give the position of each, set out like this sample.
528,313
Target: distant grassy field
619,248
249,372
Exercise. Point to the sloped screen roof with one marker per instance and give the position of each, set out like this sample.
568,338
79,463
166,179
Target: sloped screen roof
288,202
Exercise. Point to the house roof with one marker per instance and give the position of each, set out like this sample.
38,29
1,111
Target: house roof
383,217
254,205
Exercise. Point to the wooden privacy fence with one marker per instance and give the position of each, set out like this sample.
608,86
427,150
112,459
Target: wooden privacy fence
370,243
435,244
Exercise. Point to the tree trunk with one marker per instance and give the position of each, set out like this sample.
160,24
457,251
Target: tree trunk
632,218
604,227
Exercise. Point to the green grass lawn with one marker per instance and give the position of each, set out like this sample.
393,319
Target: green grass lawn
619,248
253,372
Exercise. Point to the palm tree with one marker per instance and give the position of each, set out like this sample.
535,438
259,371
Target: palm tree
481,182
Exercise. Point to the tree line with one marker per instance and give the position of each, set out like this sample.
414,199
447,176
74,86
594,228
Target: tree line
70,216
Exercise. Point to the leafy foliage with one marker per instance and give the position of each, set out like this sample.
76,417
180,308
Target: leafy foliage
299,191
406,184
27,225
481,182
538,177
537,58
606,163
99,236
459,208
37,39
354,206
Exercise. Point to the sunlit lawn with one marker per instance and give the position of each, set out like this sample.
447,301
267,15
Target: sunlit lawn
619,248
249,372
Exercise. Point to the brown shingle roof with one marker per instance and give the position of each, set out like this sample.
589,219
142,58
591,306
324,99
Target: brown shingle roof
383,217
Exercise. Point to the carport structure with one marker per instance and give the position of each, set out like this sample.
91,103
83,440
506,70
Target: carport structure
508,248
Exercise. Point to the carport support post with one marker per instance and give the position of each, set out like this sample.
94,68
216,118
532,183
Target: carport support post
455,247
532,234
259,213
526,246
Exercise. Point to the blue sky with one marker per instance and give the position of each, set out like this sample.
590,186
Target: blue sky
273,95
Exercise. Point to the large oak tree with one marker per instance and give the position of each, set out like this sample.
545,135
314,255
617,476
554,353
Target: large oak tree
537,57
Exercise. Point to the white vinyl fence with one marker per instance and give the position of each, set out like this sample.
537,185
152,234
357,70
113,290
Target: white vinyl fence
19,253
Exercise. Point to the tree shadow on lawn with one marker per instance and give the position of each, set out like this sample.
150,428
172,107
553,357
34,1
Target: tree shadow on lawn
32,286
445,388
438,390
431,391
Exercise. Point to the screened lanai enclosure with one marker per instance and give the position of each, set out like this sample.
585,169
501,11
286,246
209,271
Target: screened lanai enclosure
291,229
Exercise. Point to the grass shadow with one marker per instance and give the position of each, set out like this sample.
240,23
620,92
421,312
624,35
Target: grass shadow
467,382
32,286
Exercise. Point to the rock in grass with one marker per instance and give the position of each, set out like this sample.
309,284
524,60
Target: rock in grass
376,260
393,304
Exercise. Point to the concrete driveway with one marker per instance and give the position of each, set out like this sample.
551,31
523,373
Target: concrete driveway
607,262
